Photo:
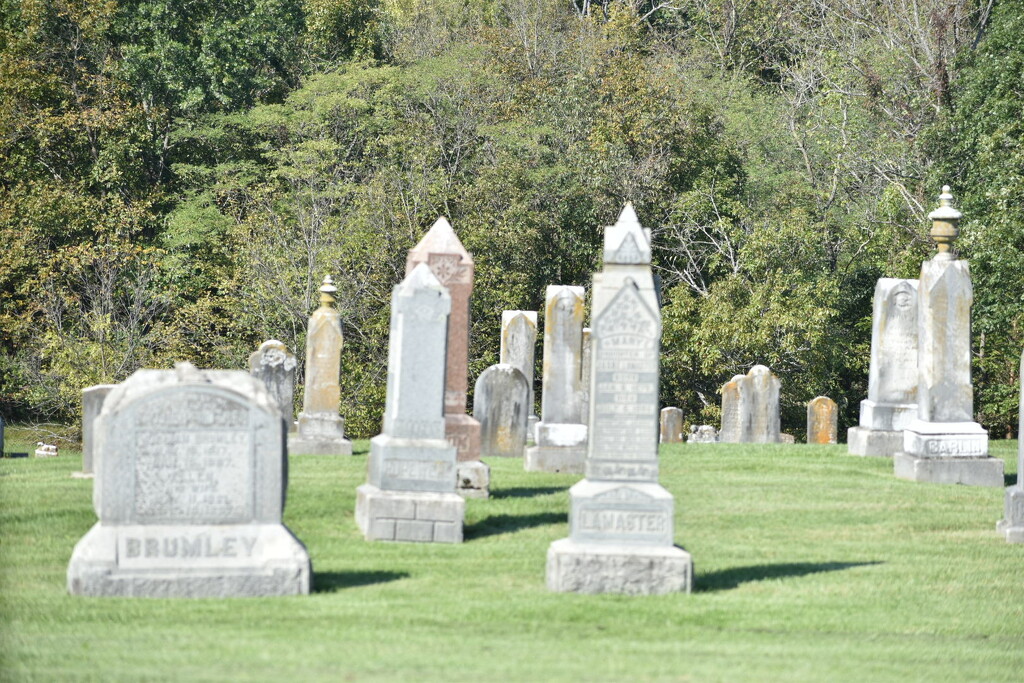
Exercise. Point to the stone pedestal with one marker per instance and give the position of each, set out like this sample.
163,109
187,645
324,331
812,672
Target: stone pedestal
423,517
560,448
592,568
873,442
319,434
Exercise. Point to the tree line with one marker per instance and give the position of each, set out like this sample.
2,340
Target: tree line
176,178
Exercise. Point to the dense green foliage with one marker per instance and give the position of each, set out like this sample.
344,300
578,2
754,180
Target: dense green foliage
176,177
810,566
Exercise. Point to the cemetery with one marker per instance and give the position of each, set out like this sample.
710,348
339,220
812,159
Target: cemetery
512,341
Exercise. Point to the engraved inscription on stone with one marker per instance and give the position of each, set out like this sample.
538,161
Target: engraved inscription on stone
184,471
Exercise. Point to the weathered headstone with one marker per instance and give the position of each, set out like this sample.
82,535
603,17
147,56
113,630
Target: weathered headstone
92,404
321,429
750,408
275,367
671,425
703,434
501,406
453,267
518,340
822,420
1,436
621,519
410,493
190,486
561,434
891,404
585,360
1012,523
944,444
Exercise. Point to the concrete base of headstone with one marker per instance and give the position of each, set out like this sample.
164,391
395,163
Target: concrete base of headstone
879,443
626,569
1012,525
983,471
945,440
531,430
193,561
474,479
319,435
560,448
417,516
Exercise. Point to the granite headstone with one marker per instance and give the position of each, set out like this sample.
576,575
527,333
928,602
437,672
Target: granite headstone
501,406
274,365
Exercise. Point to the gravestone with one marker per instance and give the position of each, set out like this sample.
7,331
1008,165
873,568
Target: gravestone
453,267
671,425
891,404
411,483
92,404
561,435
703,434
750,408
944,444
321,429
501,406
1012,523
518,340
190,485
822,420
2,436
621,537
585,376
275,367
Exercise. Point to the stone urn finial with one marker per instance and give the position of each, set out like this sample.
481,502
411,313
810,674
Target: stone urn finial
944,223
327,291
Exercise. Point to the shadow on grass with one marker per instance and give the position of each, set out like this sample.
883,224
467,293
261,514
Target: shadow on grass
507,524
527,491
329,582
727,579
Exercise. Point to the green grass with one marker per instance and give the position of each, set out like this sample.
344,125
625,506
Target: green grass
810,566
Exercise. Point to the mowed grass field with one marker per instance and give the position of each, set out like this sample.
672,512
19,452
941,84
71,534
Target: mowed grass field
811,565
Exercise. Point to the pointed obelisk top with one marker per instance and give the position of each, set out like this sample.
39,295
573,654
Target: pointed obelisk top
627,242
440,239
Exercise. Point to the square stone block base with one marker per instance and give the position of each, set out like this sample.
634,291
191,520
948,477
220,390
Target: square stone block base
299,445
564,459
409,515
626,569
985,471
874,442
474,479
189,561
1012,525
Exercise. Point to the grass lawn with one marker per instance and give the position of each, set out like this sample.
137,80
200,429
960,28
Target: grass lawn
811,565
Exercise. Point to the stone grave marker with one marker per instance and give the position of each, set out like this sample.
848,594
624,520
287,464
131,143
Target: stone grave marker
585,355
750,408
453,267
561,435
274,365
518,341
92,404
621,519
822,420
703,434
190,487
891,404
671,425
944,444
501,406
1012,523
410,490
321,429
735,411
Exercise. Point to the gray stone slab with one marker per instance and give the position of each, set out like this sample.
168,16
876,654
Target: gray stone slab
501,406
702,434
984,471
874,442
436,517
558,459
190,487
92,404
1012,523
750,408
620,513
473,479
518,344
892,375
628,570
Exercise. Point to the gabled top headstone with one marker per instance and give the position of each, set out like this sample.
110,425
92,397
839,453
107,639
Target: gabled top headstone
518,339
627,242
